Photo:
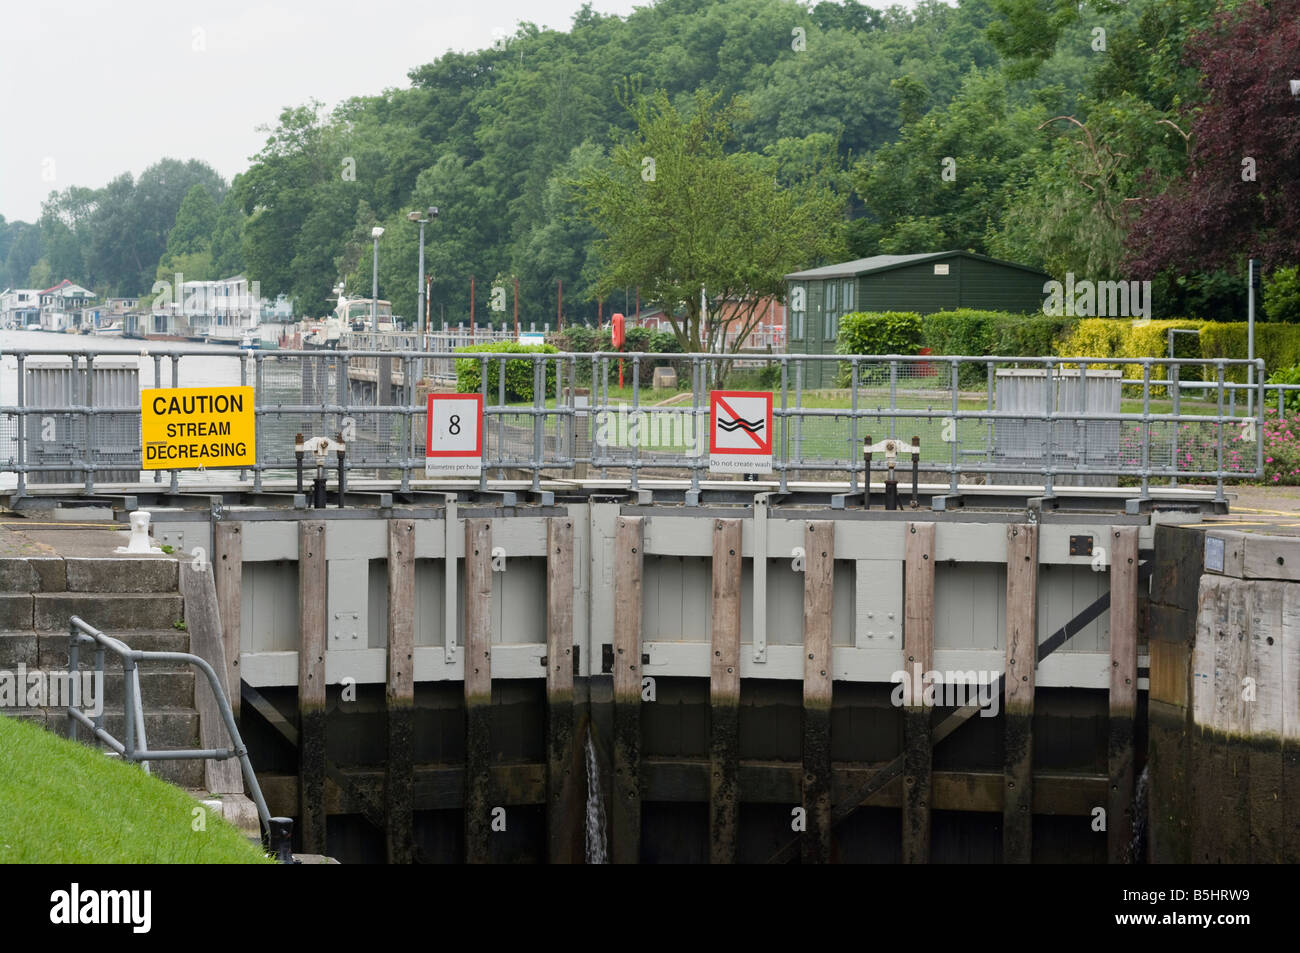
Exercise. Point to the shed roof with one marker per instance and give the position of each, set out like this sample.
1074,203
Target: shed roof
878,263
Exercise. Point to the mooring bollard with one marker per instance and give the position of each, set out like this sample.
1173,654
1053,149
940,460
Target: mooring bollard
280,841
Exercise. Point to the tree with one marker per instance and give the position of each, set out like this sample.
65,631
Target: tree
946,182
681,218
1239,195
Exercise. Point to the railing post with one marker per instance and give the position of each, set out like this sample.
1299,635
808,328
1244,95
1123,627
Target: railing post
88,458
1146,429
853,424
1175,388
74,664
1049,407
954,458
785,423
1218,483
259,394
174,485
22,431
128,707
636,419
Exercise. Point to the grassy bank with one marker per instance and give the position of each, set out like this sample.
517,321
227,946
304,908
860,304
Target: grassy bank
63,802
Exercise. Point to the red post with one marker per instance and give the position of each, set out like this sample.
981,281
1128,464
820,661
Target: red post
618,336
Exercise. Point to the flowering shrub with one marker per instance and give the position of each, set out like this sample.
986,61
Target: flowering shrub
1281,449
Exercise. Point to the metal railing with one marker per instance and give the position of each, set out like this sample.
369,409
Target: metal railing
135,748
1049,421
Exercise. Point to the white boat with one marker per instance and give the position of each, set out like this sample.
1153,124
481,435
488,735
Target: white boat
113,330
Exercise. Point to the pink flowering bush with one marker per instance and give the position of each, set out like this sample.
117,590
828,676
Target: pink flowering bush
1281,449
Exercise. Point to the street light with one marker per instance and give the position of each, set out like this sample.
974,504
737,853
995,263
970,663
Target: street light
374,281
422,219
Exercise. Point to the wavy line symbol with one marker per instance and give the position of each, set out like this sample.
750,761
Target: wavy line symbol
740,423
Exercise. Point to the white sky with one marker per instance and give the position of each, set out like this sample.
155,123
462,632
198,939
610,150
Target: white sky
90,89
93,88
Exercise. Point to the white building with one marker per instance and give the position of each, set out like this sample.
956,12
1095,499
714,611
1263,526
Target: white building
62,305
20,307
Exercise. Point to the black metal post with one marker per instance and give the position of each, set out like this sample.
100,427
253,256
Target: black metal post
280,841
916,468
343,480
866,474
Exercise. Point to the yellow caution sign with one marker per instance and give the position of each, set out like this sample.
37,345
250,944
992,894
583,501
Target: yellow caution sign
185,428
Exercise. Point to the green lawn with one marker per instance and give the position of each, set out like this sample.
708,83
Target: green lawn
65,803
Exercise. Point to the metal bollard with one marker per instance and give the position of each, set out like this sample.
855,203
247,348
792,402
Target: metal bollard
280,841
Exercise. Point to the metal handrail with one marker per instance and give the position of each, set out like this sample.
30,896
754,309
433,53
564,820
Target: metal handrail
276,831
555,432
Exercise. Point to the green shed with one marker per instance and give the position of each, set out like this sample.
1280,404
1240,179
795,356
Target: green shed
938,281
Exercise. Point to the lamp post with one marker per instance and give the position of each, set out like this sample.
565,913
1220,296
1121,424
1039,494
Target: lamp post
422,219
374,281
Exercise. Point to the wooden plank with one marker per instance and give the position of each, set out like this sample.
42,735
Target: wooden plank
204,626
564,829
818,602
400,694
228,576
918,652
686,780
1123,689
625,810
478,688
724,693
1021,662
312,616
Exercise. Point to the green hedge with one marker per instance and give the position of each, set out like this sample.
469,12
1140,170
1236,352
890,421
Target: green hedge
1277,344
519,373
583,340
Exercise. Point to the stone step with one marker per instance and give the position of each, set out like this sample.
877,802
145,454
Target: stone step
125,574
160,689
32,574
52,648
16,610
80,574
49,650
111,612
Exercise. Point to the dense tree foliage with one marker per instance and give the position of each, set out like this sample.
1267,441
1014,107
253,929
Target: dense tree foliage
1101,137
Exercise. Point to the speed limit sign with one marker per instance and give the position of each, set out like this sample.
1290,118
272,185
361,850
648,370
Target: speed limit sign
454,435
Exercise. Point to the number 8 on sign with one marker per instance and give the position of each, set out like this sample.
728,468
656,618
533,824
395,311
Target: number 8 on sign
454,435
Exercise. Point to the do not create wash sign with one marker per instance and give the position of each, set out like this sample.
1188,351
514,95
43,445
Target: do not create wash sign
740,431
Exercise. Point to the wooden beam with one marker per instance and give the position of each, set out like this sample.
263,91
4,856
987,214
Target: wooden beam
1123,689
1021,662
478,688
228,575
625,811
312,621
400,694
818,601
918,651
564,829
724,693
204,625
686,781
